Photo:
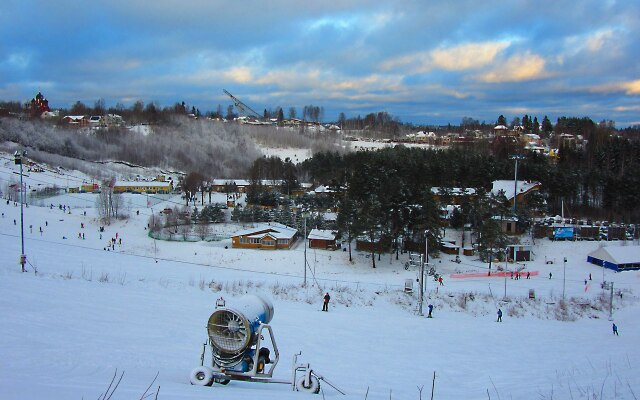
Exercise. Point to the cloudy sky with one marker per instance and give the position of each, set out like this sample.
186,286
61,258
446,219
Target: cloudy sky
424,61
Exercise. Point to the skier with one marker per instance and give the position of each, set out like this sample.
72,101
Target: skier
550,275
589,276
325,304
615,329
499,315
430,311
528,275
440,281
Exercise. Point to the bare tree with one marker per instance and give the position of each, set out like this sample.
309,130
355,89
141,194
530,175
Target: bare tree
116,205
104,202
154,223
191,184
203,230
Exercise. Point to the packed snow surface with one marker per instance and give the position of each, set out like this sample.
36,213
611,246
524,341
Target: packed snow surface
141,309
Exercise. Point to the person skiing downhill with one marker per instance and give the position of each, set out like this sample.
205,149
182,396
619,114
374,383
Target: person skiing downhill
325,304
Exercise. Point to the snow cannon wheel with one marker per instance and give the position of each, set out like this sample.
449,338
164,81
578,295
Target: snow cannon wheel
201,376
312,387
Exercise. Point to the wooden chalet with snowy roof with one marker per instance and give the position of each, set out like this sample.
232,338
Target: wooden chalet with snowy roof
270,236
322,239
508,188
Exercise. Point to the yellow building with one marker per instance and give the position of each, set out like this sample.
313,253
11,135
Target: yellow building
143,187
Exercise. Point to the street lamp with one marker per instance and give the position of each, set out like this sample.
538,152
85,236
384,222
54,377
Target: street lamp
564,273
18,161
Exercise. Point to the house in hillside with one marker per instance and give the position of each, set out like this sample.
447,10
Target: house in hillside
617,258
452,195
322,239
229,185
76,121
324,191
519,189
270,236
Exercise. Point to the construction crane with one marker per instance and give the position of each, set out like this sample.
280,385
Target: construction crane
243,108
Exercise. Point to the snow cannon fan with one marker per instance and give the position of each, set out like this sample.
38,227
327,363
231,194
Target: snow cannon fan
232,330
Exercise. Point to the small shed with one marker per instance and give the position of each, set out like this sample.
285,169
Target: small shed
521,252
617,258
322,239
449,248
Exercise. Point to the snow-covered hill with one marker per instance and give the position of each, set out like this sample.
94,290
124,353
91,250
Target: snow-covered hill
89,312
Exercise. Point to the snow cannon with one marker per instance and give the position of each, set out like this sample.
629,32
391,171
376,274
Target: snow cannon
233,331
243,348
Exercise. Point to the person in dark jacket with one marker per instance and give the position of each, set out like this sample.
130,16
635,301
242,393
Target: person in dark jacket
615,329
499,315
325,304
430,311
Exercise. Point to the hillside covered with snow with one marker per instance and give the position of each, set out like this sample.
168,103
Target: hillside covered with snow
82,313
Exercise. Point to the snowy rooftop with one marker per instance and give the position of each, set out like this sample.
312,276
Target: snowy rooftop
618,254
142,184
276,230
507,187
455,191
321,234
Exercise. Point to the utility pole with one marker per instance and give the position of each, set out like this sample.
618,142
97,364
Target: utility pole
426,256
515,186
506,269
611,302
305,250
18,161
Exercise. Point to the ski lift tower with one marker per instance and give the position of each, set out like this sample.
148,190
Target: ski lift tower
243,108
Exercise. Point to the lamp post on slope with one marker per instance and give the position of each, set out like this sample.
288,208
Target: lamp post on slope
18,161
564,273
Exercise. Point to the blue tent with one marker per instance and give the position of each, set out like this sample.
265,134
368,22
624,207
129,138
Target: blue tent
617,258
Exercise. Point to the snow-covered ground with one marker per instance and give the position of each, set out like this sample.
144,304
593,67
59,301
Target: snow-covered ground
142,310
